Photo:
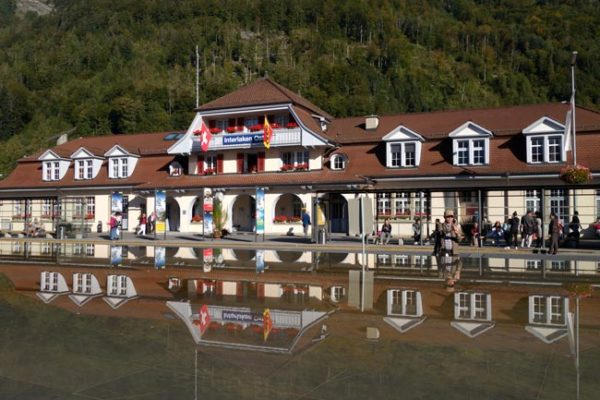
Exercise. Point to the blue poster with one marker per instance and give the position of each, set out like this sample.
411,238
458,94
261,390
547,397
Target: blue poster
116,202
260,211
260,261
159,257
160,208
207,208
116,255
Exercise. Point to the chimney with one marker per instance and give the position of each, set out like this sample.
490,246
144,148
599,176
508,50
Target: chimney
62,139
371,122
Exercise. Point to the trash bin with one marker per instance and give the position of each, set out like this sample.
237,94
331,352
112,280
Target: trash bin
99,227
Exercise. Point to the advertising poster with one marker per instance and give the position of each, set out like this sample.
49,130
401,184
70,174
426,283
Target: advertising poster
208,212
116,255
160,207
260,261
159,257
116,202
260,211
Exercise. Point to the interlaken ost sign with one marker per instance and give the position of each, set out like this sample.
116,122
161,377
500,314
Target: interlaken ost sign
232,140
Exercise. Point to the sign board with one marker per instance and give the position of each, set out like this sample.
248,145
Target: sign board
234,140
116,202
241,316
160,207
260,211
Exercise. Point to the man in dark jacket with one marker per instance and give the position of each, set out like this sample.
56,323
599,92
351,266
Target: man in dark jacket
514,230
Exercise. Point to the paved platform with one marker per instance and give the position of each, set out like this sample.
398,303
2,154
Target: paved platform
336,244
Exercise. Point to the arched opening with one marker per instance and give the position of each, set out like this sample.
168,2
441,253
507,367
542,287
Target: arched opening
244,255
243,213
289,256
172,214
337,207
197,211
288,209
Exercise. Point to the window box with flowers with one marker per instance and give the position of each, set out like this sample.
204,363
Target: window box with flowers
275,125
210,171
215,130
301,167
196,219
232,129
287,167
291,125
576,174
284,219
89,216
256,128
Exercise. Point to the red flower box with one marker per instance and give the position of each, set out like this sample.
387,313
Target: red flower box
280,219
291,125
231,129
301,167
90,216
197,218
275,125
215,130
210,171
287,167
256,128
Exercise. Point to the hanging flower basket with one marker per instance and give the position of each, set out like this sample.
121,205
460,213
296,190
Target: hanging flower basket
577,174
581,290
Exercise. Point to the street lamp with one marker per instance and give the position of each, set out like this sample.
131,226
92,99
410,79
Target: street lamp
573,60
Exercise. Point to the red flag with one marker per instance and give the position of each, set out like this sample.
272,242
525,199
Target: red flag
205,136
204,319
268,133
267,324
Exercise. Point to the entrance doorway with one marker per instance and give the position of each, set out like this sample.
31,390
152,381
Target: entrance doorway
338,213
172,214
243,213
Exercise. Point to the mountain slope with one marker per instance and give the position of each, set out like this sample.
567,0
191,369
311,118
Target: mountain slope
106,66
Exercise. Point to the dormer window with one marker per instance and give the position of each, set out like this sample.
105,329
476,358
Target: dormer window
119,167
175,169
52,171
545,141
403,148
84,169
470,145
338,162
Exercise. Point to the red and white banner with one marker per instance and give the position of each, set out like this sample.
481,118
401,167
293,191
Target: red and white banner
205,135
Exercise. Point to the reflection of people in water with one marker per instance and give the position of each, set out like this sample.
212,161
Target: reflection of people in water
448,261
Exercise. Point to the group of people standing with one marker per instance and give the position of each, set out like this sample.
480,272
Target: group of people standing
146,224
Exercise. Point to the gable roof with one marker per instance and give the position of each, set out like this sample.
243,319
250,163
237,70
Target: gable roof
262,92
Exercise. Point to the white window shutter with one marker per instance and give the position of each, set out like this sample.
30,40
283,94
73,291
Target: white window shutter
486,144
531,300
388,155
419,304
417,153
456,303
528,148
488,311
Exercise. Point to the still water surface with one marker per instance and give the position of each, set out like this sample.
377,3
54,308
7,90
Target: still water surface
111,322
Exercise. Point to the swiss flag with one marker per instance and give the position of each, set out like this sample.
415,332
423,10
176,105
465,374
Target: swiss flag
203,320
205,136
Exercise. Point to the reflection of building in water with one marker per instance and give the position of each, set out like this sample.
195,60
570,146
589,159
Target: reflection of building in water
548,317
472,313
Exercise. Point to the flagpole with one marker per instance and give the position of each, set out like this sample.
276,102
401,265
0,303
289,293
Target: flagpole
573,106
197,78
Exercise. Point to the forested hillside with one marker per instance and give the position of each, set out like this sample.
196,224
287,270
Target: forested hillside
102,66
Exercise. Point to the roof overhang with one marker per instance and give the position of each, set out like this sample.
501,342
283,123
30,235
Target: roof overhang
400,133
82,152
544,125
50,155
470,130
117,151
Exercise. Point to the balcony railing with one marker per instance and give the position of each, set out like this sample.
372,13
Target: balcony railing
281,137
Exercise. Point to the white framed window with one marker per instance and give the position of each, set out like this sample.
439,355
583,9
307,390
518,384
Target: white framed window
598,203
471,151
90,206
80,169
548,310
384,204
403,154
82,283
302,157
282,120
383,260
560,265
545,149
338,162
337,293
533,265
118,285
537,149
175,169
49,281
56,171
78,207
77,249
473,306
404,302
48,171
221,124
250,121
533,200
90,249
119,166
559,204
295,158
210,162
51,170
402,204
89,169
400,259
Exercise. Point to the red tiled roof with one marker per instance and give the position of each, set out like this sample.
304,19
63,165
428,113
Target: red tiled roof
261,92
139,143
438,124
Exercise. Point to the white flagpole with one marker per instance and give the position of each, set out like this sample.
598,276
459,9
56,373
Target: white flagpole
573,106
197,78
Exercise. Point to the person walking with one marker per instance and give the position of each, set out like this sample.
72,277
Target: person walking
514,224
141,231
575,227
305,222
386,231
554,230
527,229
